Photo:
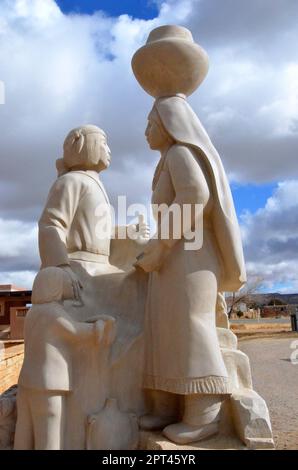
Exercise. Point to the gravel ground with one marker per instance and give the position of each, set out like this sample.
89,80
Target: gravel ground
276,380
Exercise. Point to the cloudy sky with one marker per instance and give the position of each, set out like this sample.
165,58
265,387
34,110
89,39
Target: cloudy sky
67,62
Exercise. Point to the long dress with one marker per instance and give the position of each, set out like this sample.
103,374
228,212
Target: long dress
182,352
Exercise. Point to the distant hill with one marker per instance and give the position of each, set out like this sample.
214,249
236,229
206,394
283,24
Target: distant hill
265,299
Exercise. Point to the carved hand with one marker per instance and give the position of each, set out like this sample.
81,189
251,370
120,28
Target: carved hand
139,232
76,284
105,330
153,256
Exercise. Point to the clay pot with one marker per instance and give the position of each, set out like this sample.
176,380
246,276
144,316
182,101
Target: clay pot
170,63
112,429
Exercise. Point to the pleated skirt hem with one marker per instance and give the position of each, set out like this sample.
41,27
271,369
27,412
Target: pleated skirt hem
187,386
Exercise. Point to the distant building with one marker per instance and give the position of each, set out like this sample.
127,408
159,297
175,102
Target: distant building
275,311
241,307
14,305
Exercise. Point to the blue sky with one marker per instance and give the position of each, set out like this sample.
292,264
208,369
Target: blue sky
145,9
250,197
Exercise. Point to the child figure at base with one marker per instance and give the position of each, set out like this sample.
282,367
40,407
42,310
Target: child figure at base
46,375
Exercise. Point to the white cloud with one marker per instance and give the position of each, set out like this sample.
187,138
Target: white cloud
18,245
61,71
271,238
15,236
283,111
22,279
44,11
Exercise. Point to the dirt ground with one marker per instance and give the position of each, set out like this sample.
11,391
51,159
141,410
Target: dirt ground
262,330
275,378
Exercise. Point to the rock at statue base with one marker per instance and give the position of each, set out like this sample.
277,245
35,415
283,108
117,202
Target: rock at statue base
8,415
251,419
244,421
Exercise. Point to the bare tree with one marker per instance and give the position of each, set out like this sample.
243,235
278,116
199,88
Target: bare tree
251,287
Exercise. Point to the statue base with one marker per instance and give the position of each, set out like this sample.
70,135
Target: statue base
156,441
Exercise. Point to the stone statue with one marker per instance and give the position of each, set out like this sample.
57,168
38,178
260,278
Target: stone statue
46,377
182,351
181,323
76,236
68,227
124,331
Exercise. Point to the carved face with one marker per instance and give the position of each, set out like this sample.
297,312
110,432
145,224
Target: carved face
104,154
86,148
155,134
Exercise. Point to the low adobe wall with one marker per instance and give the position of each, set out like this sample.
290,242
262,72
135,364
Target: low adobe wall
11,360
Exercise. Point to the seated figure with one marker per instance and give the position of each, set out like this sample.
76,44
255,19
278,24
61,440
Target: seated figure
46,378
76,235
76,222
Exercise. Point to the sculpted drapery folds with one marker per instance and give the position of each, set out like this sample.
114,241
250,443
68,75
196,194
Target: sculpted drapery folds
122,333
183,356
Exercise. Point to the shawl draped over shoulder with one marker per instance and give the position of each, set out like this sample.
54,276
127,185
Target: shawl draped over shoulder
184,126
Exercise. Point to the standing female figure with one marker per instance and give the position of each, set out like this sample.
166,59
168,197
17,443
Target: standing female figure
183,357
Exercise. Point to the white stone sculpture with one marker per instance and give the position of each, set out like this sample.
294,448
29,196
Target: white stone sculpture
182,351
103,279
111,429
46,377
93,378
77,212
247,411
222,319
244,419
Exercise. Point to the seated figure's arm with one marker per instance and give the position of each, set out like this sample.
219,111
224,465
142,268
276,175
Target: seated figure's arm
100,331
73,330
